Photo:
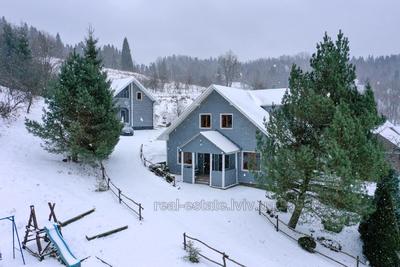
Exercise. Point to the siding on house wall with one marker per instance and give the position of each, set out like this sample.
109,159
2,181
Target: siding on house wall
243,133
142,109
392,153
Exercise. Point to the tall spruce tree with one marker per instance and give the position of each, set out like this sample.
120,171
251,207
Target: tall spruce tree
126,57
80,117
380,231
319,147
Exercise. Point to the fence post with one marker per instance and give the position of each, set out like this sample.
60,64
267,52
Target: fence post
184,241
358,261
140,211
108,183
119,195
277,223
259,207
223,259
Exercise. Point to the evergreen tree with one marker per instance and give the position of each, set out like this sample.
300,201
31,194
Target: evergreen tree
319,147
80,117
380,232
126,57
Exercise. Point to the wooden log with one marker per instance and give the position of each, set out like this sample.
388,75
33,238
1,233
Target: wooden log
74,219
107,233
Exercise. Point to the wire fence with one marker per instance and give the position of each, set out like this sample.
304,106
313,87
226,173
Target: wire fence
131,204
294,235
157,170
225,257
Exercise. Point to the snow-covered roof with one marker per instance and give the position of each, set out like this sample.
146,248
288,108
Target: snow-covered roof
119,84
390,132
268,97
223,143
248,102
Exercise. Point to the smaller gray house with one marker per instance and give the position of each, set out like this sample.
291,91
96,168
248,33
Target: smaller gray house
135,103
214,140
389,135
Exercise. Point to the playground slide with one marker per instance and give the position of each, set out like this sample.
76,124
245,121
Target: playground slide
65,253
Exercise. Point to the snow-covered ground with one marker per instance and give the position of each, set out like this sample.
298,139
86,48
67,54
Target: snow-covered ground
29,175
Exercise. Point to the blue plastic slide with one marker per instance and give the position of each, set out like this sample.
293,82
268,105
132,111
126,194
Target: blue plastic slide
62,248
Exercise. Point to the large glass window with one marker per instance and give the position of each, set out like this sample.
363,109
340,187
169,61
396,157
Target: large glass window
205,121
226,121
251,161
124,93
124,115
187,157
217,162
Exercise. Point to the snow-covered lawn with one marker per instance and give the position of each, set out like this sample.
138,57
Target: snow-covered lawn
29,175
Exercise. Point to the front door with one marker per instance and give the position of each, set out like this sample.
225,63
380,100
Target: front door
204,164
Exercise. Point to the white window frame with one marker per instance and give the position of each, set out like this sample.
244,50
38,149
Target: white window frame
141,96
178,152
242,160
220,121
200,120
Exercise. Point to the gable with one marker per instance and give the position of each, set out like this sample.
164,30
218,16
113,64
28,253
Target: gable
241,100
117,85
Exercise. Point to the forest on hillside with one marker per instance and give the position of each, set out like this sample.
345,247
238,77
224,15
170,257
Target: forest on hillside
382,72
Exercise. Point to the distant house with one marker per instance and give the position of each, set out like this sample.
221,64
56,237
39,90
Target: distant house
389,135
214,139
134,102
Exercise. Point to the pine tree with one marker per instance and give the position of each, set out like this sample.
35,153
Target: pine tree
80,117
126,57
380,232
319,146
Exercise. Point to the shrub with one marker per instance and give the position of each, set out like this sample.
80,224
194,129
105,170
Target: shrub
333,225
307,243
282,205
193,252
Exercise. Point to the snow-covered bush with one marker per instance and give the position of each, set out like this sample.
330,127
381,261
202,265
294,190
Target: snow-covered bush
307,243
281,205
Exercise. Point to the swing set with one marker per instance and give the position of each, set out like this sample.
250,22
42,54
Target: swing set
14,236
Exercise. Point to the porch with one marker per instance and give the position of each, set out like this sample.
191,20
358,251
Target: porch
209,158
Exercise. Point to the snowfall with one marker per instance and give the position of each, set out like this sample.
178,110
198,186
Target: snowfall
31,176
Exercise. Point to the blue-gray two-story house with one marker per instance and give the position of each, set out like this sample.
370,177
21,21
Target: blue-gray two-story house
214,140
134,102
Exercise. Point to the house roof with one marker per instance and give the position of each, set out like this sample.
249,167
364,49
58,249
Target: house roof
390,132
248,102
121,83
268,97
223,143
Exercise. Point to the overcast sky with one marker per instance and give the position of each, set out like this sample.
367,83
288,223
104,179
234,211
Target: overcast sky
204,28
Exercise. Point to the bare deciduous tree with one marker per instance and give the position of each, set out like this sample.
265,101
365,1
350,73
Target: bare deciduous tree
229,65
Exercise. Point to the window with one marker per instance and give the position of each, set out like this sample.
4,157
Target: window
205,121
139,96
187,158
124,115
123,94
217,162
250,161
226,121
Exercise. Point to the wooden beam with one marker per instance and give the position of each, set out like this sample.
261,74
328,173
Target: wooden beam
107,233
74,219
